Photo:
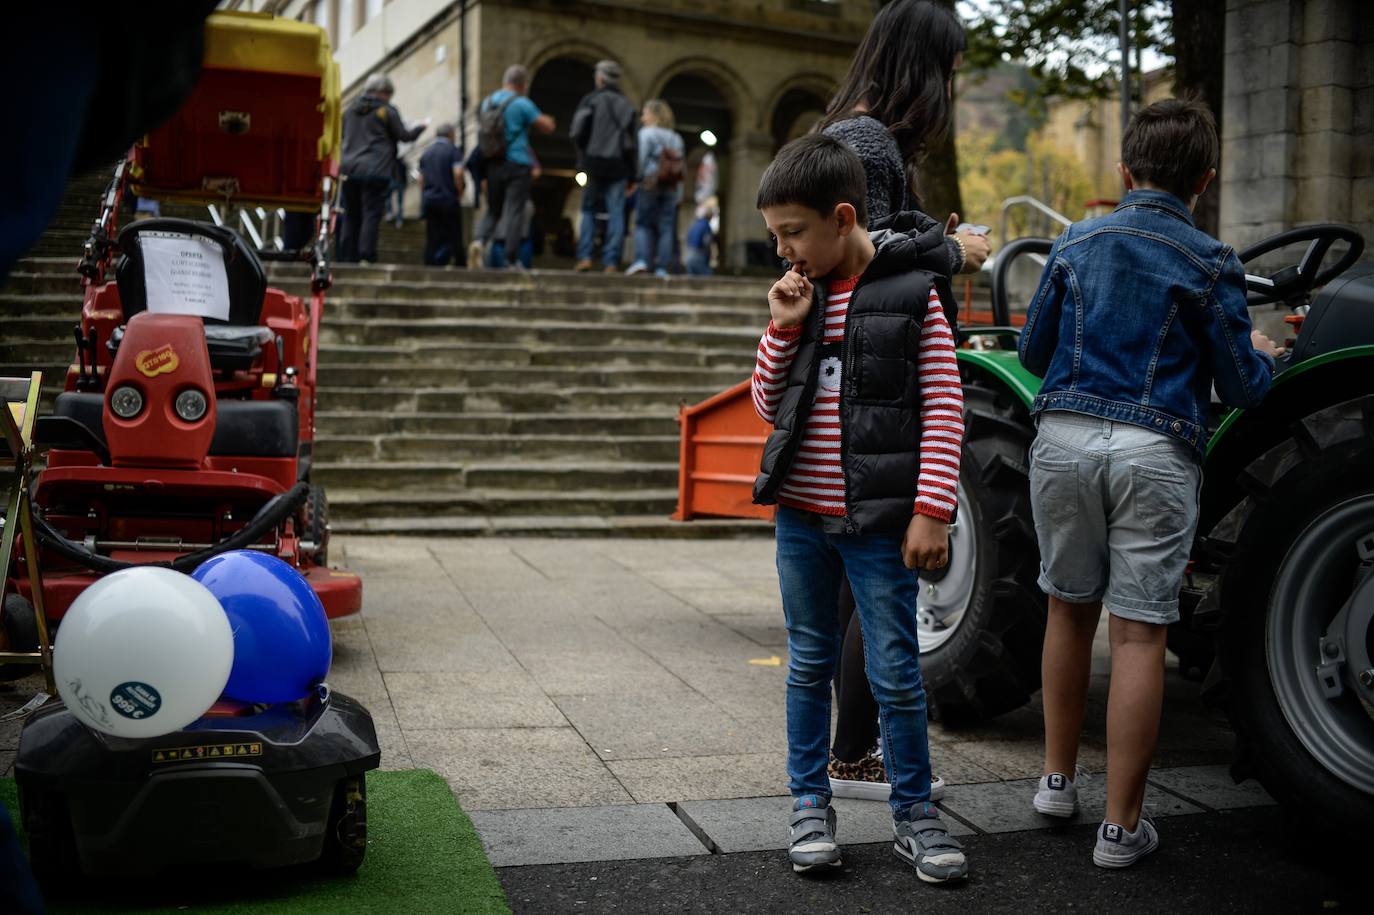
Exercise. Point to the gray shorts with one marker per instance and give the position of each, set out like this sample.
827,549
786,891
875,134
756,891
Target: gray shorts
1115,508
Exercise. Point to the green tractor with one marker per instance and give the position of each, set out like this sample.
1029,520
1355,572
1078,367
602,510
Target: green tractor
1278,604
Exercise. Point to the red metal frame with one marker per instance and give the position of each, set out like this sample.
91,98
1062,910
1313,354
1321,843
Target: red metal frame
161,488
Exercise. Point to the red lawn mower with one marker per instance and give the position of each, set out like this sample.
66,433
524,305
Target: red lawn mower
185,430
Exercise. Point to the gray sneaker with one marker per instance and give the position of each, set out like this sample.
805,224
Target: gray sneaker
1056,796
922,840
1118,848
813,834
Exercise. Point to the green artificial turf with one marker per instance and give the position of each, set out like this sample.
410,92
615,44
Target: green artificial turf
422,856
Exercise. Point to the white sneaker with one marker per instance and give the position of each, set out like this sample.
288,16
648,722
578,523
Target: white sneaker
1057,795
475,254
636,267
1118,848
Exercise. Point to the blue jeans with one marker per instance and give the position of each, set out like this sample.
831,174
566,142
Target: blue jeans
606,195
811,564
655,226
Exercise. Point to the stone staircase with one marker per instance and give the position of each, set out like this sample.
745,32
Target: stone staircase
469,402
481,402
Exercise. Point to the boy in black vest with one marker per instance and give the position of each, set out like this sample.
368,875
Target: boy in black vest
856,372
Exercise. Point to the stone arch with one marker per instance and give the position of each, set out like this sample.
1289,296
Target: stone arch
795,104
726,80
587,52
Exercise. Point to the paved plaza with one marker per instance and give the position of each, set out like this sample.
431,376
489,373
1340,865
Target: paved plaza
623,699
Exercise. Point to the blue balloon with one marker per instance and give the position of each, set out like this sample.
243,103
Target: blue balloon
282,646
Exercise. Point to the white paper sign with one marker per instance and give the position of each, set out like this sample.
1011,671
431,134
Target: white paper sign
184,275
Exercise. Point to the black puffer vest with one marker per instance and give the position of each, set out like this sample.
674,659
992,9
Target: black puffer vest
880,412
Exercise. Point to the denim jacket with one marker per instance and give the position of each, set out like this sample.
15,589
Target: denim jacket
1137,315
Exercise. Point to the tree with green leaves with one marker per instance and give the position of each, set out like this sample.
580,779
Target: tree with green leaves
1072,50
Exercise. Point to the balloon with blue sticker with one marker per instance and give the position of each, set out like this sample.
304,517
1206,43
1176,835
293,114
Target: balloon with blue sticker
142,652
282,645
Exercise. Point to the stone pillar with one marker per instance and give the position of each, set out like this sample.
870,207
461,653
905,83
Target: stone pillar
1298,120
750,153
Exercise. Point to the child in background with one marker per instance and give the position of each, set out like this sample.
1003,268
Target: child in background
1138,314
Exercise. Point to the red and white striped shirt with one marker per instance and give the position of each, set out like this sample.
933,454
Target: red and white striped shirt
815,481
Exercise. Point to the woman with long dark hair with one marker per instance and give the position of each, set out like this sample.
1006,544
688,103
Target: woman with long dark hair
895,103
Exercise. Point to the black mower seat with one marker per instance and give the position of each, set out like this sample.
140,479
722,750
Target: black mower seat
234,341
231,348
243,428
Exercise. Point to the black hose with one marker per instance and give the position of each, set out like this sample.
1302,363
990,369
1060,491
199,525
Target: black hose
278,509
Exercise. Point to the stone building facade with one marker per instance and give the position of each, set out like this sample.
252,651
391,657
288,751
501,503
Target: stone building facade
753,75
1298,120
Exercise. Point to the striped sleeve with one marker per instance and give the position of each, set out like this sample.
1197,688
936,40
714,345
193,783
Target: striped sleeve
942,416
777,349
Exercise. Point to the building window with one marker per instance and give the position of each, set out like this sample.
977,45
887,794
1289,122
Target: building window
348,20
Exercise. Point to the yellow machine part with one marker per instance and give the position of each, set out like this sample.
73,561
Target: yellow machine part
264,43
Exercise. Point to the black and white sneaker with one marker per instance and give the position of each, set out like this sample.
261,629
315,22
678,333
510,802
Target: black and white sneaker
813,835
921,839
1056,796
1118,848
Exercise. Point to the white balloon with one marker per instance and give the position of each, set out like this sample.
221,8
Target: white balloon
142,652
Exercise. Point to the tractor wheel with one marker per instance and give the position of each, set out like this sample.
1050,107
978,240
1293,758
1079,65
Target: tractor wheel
345,835
52,843
981,621
1305,547
18,632
317,524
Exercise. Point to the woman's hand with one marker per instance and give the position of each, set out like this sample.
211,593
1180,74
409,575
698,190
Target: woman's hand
789,301
975,245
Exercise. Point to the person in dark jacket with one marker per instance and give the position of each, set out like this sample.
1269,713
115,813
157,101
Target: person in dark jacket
441,190
603,129
371,129
857,374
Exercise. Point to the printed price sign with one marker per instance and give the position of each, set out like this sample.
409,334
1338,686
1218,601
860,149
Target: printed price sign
184,275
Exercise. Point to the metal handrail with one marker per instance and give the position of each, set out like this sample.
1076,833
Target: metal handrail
1034,203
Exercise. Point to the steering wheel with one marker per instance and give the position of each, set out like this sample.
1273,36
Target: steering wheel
1291,284
1001,309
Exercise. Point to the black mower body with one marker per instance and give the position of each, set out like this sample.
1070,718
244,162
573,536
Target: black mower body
255,789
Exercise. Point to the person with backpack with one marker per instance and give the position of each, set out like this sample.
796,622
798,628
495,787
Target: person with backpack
603,132
660,188
504,120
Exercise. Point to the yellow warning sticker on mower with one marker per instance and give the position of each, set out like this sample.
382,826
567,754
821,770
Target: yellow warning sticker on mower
160,361
207,752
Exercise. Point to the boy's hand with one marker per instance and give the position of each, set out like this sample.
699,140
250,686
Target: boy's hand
789,301
1265,345
926,544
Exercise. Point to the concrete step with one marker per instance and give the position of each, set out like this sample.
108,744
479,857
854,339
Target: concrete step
551,309
365,449
638,399
453,289
546,333
655,526
534,378
373,422
535,475
352,505
444,355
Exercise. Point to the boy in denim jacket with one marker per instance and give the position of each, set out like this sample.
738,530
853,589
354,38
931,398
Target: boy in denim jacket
1137,316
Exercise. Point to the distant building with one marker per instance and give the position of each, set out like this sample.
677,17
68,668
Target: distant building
1091,131
747,76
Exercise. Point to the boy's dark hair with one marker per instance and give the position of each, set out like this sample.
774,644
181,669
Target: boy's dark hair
1171,144
819,172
